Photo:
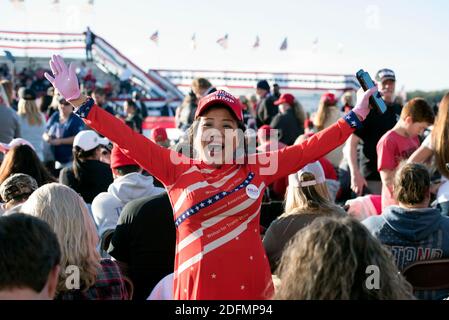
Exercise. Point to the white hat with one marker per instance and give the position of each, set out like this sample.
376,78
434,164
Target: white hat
88,140
314,168
5,147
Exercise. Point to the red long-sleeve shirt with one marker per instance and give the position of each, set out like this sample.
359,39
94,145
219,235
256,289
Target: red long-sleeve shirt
219,253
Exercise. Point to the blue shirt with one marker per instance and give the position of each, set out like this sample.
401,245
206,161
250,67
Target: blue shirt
57,130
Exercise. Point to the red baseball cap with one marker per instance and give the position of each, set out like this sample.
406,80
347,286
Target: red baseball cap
119,159
220,97
285,98
330,98
264,131
158,134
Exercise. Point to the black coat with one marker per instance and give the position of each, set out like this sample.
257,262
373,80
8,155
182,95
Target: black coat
266,110
96,177
288,126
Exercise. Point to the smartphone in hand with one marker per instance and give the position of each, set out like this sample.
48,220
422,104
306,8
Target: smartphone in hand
367,83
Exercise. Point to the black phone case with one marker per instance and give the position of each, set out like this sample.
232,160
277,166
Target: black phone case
367,83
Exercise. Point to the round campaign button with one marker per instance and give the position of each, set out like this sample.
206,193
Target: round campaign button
252,191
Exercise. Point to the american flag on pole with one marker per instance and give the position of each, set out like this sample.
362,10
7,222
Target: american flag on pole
315,44
284,45
155,37
194,41
223,42
256,43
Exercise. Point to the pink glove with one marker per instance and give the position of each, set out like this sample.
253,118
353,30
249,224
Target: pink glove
362,107
65,80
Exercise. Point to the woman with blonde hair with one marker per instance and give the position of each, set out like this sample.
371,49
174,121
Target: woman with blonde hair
68,216
326,116
307,198
336,259
436,145
32,122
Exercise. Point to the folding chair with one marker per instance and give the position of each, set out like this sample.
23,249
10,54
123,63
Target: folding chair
428,274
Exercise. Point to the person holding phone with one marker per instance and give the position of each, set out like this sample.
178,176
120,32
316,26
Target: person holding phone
364,175
217,192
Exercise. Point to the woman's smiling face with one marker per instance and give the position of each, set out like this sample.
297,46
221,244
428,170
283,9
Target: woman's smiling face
216,139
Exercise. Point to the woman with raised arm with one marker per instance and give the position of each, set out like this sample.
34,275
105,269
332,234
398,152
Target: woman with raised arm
216,194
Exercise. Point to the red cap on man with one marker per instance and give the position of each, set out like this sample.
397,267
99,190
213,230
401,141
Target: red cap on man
285,98
220,97
119,159
158,134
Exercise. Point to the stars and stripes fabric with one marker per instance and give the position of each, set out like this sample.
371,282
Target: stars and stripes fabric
193,41
219,252
315,45
256,43
284,45
223,41
155,37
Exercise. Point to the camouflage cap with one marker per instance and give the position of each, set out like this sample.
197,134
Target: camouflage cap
17,185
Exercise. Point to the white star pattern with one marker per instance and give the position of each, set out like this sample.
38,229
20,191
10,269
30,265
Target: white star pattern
213,275
185,290
210,201
251,258
242,287
236,238
255,230
191,268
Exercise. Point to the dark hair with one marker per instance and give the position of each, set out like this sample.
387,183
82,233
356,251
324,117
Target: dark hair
79,158
23,159
201,83
45,103
194,128
29,251
99,92
419,110
412,184
131,103
124,170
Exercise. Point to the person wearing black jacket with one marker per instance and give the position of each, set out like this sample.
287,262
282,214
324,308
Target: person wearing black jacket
266,110
289,120
140,104
88,175
144,241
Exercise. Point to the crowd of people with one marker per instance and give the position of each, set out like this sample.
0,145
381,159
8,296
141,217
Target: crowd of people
105,213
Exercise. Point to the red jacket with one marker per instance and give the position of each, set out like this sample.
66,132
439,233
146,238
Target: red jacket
219,252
